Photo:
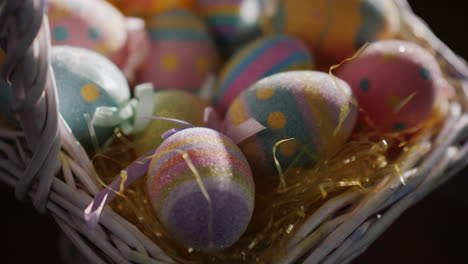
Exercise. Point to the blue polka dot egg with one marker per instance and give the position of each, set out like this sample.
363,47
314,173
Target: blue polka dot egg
85,81
304,106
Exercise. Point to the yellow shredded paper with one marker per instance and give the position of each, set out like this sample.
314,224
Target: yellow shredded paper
358,166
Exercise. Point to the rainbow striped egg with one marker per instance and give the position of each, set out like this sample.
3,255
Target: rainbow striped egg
264,57
211,214
175,104
335,30
300,105
182,51
232,20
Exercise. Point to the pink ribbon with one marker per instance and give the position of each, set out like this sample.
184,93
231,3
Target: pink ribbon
138,169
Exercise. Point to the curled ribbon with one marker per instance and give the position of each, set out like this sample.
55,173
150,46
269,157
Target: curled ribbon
127,117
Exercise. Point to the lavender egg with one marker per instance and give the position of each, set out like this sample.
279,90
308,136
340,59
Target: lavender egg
211,214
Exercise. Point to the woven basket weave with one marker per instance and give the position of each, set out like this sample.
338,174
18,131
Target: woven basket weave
44,163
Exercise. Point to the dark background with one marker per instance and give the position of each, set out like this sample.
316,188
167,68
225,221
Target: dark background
433,231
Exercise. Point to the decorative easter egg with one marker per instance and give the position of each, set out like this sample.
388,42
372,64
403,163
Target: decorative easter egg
232,20
145,8
396,83
304,106
174,104
85,81
90,24
182,51
335,30
264,57
210,214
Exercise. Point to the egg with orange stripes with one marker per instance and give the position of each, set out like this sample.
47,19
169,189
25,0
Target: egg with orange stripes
334,30
201,188
303,108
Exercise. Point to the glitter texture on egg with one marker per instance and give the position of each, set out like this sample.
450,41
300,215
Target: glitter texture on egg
208,211
85,81
396,83
303,107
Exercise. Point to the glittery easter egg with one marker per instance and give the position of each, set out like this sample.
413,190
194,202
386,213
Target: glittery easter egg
335,30
232,19
90,24
145,8
300,105
182,51
171,104
264,57
211,214
86,80
396,83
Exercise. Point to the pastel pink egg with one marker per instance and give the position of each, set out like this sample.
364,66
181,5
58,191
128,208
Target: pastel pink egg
97,25
176,65
90,24
182,51
396,83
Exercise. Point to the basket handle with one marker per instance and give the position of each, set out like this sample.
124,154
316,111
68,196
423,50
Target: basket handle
24,33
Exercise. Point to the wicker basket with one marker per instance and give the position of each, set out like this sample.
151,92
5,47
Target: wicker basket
30,161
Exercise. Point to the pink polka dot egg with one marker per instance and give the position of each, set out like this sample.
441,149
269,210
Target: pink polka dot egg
301,107
90,24
396,83
182,51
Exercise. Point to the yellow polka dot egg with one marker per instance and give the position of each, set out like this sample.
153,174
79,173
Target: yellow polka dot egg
182,51
85,81
301,113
